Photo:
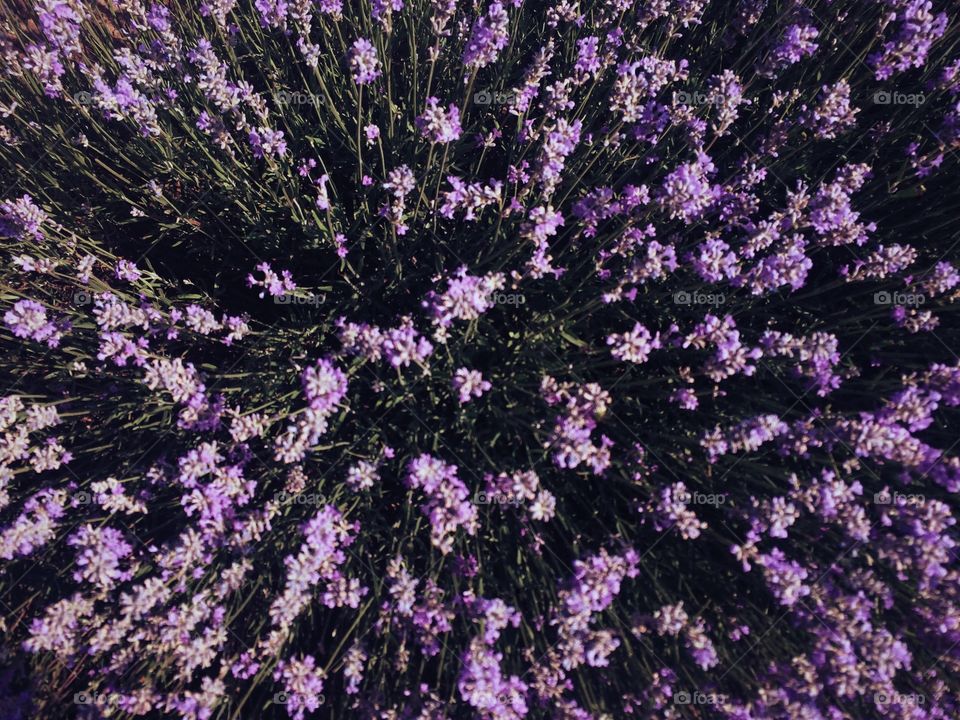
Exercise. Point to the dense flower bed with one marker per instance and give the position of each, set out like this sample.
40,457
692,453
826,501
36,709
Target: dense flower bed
423,359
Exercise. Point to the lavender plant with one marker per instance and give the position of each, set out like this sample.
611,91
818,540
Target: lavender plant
411,359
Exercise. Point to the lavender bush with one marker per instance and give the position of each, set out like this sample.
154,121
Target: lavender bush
422,359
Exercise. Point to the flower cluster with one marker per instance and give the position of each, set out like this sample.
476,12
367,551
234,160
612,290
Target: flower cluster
491,360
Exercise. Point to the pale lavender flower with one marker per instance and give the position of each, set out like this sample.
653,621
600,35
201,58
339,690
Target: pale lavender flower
36,525
400,182
353,668
302,685
245,667
21,219
275,285
467,297
833,113
60,22
59,629
319,559
363,62
51,455
325,385
784,577
726,92
447,507
218,10
266,142
382,10
635,345
362,476
404,344
489,35
797,42
28,319
46,64
560,141
700,646
201,320
273,13
470,197
469,383
483,686
588,61
127,271
686,398
918,28
100,551
670,511
687,192
638,81
437,125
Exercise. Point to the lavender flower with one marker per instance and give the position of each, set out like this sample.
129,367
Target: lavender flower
469,383
21,218
28,319
439,126
488,37
363,62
